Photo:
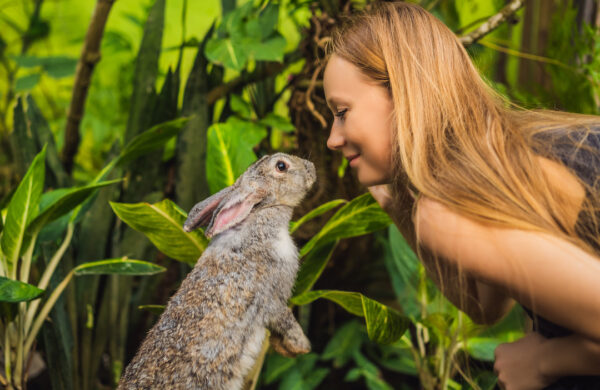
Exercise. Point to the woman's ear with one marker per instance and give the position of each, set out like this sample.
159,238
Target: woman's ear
202,213
233,210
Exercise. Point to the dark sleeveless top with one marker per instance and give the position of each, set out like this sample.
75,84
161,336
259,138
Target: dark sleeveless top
585,162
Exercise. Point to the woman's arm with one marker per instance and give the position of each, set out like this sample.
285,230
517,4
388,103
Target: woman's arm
483,303
534,362
555,278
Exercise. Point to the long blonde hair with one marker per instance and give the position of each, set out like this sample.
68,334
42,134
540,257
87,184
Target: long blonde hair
456,140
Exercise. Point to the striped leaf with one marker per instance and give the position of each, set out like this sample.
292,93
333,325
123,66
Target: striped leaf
23,207
384,324
120,266
162,223
15,291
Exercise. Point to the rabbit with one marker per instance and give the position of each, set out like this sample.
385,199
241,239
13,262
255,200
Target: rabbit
212,329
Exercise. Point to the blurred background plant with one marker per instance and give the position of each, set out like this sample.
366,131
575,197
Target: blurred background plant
177,98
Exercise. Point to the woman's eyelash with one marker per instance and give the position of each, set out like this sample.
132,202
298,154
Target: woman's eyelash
340,114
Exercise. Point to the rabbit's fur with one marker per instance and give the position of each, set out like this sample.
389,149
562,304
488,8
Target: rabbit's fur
213,327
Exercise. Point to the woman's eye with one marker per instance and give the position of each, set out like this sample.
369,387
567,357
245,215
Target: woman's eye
281,166
340,114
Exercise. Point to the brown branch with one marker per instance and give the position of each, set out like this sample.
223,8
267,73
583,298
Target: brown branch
90,55
492,23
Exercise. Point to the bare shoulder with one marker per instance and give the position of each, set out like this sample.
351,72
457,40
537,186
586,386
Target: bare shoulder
551,275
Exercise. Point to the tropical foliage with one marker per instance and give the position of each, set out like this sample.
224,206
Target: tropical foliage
180,98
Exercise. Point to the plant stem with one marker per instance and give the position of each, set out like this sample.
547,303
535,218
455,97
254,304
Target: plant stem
26,261
7,368
45,279
45,311
18,374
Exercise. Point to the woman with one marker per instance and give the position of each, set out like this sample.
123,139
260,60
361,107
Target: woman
500,203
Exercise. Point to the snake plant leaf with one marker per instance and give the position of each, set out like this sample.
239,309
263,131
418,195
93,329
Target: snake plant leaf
229,151
16,291
120,266
312,266
23,207
384,324
360,216
162,223
322,209
150,140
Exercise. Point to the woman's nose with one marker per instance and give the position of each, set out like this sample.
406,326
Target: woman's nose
336,138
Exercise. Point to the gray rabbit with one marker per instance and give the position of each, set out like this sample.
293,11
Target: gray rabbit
212,329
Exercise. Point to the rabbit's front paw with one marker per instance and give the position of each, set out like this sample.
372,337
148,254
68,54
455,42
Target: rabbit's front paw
290,346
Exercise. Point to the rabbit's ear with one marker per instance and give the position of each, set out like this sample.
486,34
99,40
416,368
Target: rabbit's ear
234,210
202,213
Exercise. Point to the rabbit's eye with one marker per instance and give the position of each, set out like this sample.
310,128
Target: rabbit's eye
281,166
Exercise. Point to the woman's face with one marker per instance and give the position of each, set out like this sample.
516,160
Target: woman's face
362,126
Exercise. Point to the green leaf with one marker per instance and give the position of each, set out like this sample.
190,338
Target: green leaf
312,266
240,106
360,216
15,291
154,309
121,266
322,209
277,122
271,50
23,207
384,324
344,343
229,151
275,366
162,223
226,52
26,83
61,201
151,139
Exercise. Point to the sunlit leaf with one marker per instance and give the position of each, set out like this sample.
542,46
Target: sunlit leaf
360,216
277,122
23,207
384,324
25,83
151,139
162,223
312,266
322,209
120,266
226,52
229,151
15,291
270,50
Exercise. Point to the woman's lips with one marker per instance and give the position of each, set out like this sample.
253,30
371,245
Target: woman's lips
353,159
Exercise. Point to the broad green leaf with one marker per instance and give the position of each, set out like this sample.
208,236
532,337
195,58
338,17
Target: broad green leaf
312,266
62,201
275,366
360,216
370,372
344,343
277,122
322,209
240,106
26,83
55,66
120,266
154,309
384,324
23,207
151,139
229,151
271,50
225,51
162,223
15,291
